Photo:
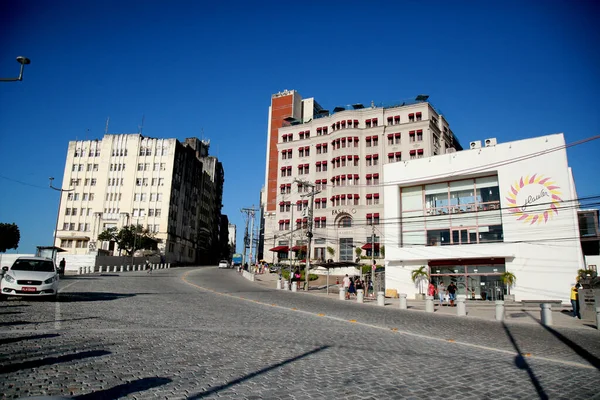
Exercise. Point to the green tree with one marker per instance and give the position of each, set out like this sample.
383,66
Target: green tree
382,251
509,279
130,238
331,251
419,276
9,237
358,251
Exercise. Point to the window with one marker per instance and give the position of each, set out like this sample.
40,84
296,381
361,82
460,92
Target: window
419,153
375,159
413,154
67,211
419,116
375,179
368,160
85,197
411,117
369,199
76,196
375,141
368,123
140,167
70,196
374,121
93,182
368,141
345,222
411,136
375,198
420,135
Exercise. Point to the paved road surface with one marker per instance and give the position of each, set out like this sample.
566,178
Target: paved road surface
208,333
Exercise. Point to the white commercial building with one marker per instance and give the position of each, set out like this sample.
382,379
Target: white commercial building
472,215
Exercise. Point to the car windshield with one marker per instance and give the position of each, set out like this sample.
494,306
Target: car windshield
223,261
33,265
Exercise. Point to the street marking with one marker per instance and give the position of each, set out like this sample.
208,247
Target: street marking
352,320
417,335
320,315
57,313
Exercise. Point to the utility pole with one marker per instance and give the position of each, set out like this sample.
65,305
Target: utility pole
309,233
291,245
250,212
373,256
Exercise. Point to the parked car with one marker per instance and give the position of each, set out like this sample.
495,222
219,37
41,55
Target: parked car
223,264
274,268
30,277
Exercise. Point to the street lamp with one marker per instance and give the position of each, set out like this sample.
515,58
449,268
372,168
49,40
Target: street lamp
23,61
58,213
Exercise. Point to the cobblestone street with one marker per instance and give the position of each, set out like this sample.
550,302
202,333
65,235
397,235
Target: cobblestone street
209,333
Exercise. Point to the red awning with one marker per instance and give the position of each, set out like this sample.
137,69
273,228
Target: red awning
396,117
280,249
375,175
369,176
355,176
398,153
376,215
369,195
299,248
390,154
376,195
412,152
420,151
356,122
369,246
369,215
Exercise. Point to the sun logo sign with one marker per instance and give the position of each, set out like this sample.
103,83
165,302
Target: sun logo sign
534,199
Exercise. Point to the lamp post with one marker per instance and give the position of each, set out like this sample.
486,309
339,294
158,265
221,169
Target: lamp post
57,216
23,61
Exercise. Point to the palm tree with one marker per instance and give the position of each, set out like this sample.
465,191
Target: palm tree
419,276
509,279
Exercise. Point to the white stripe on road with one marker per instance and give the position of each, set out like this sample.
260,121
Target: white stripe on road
57,315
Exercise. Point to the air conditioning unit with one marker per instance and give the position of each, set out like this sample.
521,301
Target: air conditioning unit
476,144
451,150
490,142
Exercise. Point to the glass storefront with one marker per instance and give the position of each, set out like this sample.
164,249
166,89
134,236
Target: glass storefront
476,282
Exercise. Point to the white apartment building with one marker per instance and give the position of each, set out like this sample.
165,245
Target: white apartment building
172,189
472,215
341,154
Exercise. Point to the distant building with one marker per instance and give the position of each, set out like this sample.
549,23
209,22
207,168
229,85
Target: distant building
342,153
174,189
470,216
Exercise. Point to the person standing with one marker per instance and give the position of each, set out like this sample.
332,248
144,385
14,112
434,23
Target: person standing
61,266
430,289
575,300
346,283
441,291
351,289
452,293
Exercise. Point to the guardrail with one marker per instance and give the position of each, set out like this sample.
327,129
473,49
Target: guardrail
120,268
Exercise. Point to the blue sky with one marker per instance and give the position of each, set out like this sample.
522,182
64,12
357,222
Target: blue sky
509,70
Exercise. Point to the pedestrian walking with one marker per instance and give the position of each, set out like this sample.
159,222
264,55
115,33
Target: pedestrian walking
346,283
575,300
441,291
452,293
359,285
351,288
431,289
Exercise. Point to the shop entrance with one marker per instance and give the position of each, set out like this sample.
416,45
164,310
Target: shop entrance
476,279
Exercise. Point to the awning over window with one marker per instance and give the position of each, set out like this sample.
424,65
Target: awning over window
369,176
369,246
375,176
299,248
369,195
369,216
280,249
376,215
376,195
420,151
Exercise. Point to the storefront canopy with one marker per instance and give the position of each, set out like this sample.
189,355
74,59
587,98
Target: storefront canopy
280,249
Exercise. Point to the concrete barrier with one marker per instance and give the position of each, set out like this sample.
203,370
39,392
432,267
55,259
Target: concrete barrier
294,286
403,305
546,314
278,284
499,310
342,293
461,307
381,298
360,296
286,285
428,303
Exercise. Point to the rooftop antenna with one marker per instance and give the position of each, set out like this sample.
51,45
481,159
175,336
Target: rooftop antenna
106,128
141,127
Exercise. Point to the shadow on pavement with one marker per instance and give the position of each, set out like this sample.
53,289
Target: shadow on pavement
32,337
581,352
11,312
5,369
72,297
521,363
13,323
252,375
125,389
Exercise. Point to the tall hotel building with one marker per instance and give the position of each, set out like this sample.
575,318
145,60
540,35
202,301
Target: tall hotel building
174,189
342,154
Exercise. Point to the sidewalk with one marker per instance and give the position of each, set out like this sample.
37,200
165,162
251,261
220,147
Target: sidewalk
513,312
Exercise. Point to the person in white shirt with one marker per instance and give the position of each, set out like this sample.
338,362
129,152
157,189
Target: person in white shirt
441,291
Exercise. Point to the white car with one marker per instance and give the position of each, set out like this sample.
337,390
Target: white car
223,264
31,277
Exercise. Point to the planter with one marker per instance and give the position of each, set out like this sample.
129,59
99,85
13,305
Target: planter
419,296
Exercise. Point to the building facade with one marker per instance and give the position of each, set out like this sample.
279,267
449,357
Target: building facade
324,171
470,216
173,189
